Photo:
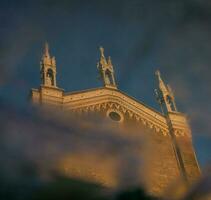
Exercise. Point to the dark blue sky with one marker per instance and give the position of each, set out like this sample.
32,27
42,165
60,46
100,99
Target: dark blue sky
139,35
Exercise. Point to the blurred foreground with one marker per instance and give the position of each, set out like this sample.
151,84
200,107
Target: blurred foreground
63,188
31,144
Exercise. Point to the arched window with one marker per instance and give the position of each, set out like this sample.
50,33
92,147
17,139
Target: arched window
50,77
108,78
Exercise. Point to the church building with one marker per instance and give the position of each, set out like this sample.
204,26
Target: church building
170,154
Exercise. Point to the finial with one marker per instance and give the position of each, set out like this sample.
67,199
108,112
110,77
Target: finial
102,51
109,60
46,50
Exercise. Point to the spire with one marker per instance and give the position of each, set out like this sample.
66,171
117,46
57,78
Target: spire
164,95
102,57
157,73
46,50
106,71
102,52
162,85
48,68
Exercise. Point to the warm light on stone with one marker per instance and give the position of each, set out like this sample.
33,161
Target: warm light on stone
168,153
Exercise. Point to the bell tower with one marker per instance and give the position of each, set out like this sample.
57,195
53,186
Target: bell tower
179,132
48,92
48,68
106,70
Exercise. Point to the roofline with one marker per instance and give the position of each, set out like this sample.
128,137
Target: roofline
85,90
94,89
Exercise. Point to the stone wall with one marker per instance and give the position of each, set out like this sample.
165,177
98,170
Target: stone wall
151,158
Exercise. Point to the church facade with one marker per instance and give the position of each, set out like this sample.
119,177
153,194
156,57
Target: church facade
170,154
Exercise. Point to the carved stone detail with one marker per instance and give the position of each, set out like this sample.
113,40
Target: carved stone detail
122,109
181,133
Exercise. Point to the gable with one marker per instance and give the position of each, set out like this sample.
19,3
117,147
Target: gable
105,99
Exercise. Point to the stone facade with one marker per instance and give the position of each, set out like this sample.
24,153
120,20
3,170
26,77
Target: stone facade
169,153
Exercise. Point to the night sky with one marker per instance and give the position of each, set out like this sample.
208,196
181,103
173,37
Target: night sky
141,36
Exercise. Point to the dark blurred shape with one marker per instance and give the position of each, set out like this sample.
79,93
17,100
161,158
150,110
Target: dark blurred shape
64,188
134,194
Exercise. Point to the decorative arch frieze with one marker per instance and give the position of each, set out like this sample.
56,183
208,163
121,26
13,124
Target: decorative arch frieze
105,106
182,133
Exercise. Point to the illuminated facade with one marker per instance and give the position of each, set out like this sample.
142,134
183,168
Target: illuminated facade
171,153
